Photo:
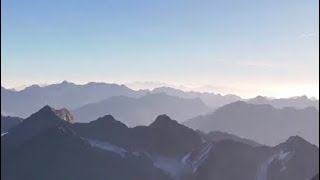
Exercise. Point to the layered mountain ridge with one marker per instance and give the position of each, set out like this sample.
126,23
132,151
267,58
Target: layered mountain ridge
73,96
163,150
139,111
261,122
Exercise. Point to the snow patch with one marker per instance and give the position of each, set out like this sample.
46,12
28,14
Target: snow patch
108,147
185,158
200,157
263,170
177,167
137,154
195,159
283,157
172,166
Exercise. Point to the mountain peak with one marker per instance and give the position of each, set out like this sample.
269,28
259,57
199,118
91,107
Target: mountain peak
107,117
260,98
163,120
65,115
107,121
163,116
303,97
33,86
295,139
39,122
236,104
295,142
48,111
64,82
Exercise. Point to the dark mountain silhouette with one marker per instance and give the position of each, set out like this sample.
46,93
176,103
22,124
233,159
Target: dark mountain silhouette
295,153
155,138
69,95
105,129
37,123
316,177
8,122
139,111
108,149
210,99
220,136
58,153
261,123
233,160
164,133
300,102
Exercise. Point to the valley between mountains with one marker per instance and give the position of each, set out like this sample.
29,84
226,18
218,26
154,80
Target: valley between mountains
107,131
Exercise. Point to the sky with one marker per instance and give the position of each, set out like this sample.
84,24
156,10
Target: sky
246,47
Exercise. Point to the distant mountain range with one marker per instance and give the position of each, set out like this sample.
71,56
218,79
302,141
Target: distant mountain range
210,99
220,136
296,102
261,122
139,111
24,102
49,146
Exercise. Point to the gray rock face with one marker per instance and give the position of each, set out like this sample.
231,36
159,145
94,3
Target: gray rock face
65,115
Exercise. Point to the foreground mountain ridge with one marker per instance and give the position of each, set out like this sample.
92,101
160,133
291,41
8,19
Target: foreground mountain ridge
8,122
165,149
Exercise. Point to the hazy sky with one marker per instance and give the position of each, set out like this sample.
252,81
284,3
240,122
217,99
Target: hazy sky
247,47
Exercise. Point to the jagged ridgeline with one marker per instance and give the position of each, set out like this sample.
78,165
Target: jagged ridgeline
50,145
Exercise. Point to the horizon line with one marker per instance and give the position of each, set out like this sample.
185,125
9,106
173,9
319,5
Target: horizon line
185,89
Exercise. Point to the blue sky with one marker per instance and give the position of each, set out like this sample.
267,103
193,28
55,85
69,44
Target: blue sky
246,47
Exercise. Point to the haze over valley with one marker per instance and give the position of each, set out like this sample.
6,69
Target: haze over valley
252,118
159,90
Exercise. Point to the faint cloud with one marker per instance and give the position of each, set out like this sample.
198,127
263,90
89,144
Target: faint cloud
307,35
138,85
257,64
271,65
19,87
220,60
